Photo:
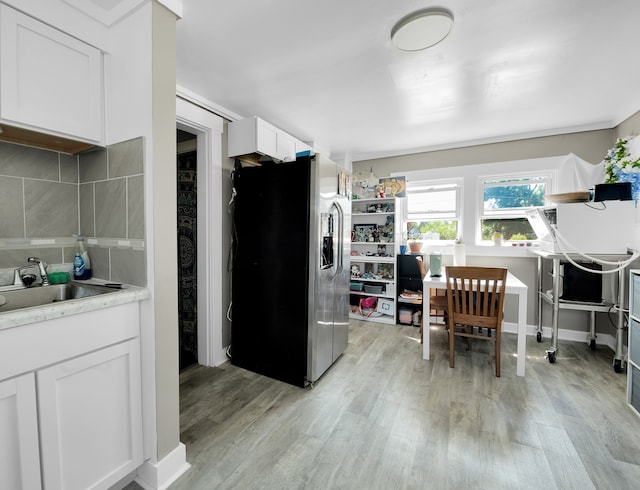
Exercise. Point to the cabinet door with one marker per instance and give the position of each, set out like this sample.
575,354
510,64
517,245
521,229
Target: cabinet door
90,418
266,139
48,80
286,147
19,457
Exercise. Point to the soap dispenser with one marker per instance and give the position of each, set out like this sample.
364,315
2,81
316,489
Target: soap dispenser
81,262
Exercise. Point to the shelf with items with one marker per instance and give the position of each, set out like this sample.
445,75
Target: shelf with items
633,365
373,264
409,289
372,258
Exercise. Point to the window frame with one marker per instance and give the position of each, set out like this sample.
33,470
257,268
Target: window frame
458,184
544,176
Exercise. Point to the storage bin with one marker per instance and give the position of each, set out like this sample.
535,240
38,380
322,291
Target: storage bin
355,286
405,315
368,288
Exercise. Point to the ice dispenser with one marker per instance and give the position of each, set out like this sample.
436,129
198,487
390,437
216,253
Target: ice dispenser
326,224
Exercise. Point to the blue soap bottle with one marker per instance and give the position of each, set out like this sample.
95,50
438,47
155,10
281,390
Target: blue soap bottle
81,262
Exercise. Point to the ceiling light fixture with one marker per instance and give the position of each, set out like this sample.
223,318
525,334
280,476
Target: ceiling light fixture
422,29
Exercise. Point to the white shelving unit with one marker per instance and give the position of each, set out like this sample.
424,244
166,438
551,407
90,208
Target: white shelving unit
373,258
633,366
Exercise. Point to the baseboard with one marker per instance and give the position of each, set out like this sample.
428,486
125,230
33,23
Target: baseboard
158,476
570,335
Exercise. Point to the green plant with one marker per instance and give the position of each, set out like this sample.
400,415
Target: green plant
619,159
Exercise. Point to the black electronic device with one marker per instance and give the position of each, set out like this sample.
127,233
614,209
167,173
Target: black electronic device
580,285
619,191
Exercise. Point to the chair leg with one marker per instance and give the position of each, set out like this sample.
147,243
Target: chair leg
421,324
498,336
451,347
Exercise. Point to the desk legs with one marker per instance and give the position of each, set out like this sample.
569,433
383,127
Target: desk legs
618,358
522,333
553,350
426,326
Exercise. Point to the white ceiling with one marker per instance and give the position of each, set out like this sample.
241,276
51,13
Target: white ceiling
326,72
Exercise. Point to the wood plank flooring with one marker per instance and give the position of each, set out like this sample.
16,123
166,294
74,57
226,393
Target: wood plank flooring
382,418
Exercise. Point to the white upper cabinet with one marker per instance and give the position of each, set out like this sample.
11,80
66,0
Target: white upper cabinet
49,81
254,135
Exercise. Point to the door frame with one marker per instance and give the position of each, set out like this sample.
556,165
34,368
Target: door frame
208,128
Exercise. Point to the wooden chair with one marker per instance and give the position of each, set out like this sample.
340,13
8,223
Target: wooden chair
438,305
475,298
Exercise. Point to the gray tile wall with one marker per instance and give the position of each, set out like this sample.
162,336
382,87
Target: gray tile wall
111,195
38,193
50,195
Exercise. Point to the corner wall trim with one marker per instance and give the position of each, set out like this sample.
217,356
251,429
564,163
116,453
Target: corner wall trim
158,476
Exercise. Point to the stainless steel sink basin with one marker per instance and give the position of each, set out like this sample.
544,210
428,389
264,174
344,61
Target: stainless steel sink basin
40,296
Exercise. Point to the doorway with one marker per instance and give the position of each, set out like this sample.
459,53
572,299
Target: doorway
187,233
208,129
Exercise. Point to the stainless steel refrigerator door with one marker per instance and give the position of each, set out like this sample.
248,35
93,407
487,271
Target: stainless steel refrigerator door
321,280
341,280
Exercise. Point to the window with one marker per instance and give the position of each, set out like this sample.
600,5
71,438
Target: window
504,202
433,210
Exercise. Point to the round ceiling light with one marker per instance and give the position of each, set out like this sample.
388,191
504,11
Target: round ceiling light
422,29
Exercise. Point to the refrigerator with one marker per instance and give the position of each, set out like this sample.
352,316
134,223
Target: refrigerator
290,268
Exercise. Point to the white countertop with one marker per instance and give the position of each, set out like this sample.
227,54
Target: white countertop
128,294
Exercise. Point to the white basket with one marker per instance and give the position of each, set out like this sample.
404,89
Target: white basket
386,306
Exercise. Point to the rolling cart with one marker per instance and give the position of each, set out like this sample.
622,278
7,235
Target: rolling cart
558,304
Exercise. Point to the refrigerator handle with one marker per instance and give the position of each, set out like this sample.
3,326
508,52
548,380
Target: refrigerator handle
340,232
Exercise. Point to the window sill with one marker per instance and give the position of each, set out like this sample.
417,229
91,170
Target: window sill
506,250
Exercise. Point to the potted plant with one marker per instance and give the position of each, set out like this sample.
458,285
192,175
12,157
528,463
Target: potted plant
620,166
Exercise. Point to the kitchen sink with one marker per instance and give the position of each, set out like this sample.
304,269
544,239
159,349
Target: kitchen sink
41,296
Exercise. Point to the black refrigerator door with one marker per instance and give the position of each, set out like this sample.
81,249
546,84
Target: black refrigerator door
270,271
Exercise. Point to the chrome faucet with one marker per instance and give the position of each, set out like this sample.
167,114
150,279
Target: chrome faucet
42,267
17,278
19,282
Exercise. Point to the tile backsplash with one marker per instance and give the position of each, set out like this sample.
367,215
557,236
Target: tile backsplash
46,197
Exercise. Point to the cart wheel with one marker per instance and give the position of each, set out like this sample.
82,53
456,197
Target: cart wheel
617,365
539,337
552,357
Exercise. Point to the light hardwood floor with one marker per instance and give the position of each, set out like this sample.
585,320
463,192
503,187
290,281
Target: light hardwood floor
382,418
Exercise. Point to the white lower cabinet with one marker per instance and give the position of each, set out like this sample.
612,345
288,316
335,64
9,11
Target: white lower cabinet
88,416
91,418
19,449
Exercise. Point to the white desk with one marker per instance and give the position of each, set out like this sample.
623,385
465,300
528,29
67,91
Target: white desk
513,286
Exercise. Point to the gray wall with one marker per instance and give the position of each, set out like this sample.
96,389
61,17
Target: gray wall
165,246
589,145
49,196
629,127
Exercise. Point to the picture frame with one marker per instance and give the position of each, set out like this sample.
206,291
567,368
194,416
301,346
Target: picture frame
394,186
364,231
